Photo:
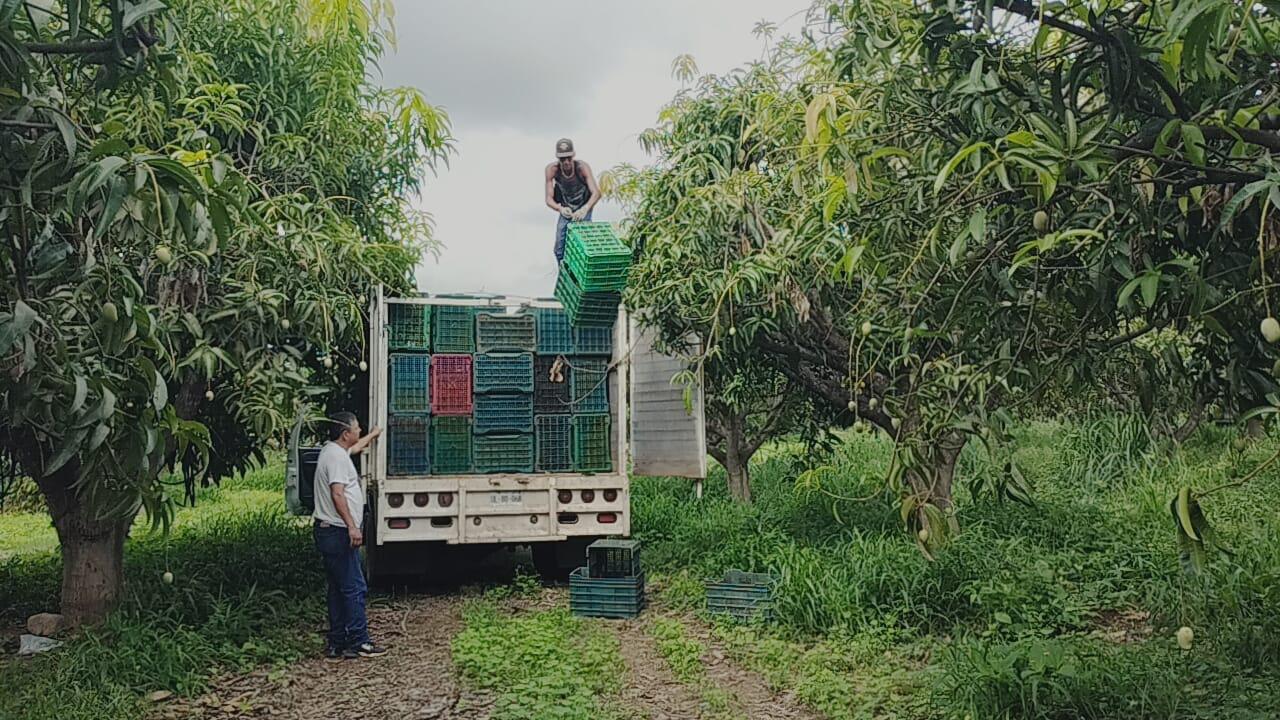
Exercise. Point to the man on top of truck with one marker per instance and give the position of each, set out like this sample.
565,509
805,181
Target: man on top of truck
571,191
339,523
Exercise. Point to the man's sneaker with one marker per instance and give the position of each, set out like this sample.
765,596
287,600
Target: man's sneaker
332,653
370,650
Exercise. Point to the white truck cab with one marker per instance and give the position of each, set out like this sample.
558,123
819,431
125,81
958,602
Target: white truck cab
657,428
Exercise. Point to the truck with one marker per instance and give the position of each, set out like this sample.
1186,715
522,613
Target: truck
655,427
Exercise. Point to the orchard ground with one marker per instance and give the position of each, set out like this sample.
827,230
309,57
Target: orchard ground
1067,609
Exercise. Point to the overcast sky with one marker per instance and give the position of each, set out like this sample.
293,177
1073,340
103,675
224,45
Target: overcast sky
516,75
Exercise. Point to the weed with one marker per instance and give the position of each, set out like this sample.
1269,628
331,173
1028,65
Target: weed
683,653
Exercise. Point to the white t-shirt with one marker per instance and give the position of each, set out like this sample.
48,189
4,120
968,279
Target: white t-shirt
334,467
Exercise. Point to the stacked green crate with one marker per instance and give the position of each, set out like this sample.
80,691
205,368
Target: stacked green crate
593,274
451,445
454,329
591,444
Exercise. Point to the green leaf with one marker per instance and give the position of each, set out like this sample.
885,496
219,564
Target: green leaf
1149,282
68,450
73,18
1002,618
953,163
16,325
141,11
978,225
8,8
100,433
1193,143
82,391
160,393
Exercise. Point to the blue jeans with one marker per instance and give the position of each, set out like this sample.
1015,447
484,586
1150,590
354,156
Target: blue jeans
347,624
562,227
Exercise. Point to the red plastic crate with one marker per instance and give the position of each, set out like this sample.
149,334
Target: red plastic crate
451,385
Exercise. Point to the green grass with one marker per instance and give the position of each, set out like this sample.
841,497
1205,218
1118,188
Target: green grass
247,592
1098,542
540,664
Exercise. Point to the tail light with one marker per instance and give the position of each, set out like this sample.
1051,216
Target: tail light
395,500
446,499
588,495
398,523
610,495
565,497
421,499
607,518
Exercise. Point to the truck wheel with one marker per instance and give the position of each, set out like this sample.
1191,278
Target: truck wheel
546,561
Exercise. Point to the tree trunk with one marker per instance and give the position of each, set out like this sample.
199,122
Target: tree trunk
737,458
92,565
92,547
933,484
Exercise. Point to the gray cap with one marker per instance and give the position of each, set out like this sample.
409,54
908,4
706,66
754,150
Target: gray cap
564,148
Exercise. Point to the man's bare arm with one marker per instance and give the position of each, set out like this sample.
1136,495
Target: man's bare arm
550,175
363,442
592,186
338,492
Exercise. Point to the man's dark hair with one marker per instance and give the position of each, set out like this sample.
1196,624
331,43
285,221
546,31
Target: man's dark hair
340,422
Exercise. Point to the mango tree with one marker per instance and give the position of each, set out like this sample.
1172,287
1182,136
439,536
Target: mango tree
926,214
195,201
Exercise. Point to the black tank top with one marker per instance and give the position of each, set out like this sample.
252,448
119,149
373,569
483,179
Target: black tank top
572,191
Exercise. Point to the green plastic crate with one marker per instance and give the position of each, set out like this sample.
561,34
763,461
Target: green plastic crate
555,336
742,595
598,259
454,329
613,558
500,332
553,436
503,372
591,444
589,380
504,453
594,309
409,326
451,445
618,598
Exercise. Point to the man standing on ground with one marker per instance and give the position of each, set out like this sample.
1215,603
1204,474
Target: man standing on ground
339,518
571,191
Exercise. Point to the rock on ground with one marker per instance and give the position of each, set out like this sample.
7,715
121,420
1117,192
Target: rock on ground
45,624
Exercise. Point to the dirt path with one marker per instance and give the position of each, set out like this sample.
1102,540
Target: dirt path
652,691
414,682
649,689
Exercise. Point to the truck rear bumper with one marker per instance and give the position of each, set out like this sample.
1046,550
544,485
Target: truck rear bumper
489,509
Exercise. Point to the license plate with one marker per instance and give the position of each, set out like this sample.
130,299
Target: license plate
506,498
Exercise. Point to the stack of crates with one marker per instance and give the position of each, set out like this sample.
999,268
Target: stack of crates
504,439
612,583
593,274
409,390
473,391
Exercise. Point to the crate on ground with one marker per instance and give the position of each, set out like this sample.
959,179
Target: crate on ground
613,558
504,413
590,380
553,435
451,385
410,383
450,445
597,257
742,595
409,326
551,386
593,340
585,309
555,336
591,444
511,453
605,597
454,329
503,372
500,332
408,442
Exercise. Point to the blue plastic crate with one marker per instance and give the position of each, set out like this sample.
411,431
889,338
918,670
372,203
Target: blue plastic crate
590,381
555,335
554,436
503,453
605,597
410,383
742,595
591,340
500,332
503,372
504,413
408,445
